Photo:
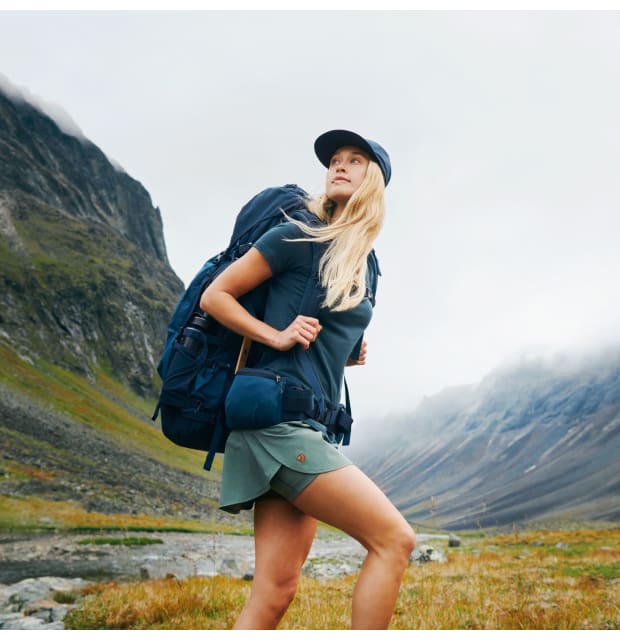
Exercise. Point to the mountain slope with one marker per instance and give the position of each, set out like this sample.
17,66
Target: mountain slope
530,442
72,174
84,275
87,292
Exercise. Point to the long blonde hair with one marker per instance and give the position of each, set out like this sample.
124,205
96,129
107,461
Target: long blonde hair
342,268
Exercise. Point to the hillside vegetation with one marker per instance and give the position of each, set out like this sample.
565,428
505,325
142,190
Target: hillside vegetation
78,294
77,453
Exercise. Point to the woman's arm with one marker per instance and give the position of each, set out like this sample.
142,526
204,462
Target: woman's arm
220,301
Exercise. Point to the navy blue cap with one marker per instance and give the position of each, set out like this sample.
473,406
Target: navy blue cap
328,143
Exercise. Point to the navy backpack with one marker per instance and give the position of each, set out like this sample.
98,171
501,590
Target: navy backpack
200,356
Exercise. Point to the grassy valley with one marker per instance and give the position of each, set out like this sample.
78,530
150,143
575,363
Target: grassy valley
522,580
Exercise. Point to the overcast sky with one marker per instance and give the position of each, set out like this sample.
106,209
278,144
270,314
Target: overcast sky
503,216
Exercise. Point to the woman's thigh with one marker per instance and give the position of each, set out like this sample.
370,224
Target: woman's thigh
349,500
283,537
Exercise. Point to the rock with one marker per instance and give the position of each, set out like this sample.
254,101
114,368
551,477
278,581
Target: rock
232,566
18,596
424,553
205,566
27,623
48,611
29,604
167,568
64,584
454,541
327,571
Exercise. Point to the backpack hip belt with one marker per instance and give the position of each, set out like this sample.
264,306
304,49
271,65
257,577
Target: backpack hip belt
336,422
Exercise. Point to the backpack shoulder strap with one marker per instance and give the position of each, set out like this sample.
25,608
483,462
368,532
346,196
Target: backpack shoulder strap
313,297
372,276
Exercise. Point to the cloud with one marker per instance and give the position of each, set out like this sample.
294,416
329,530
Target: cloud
54,111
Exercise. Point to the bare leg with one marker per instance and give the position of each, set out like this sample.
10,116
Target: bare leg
283,536
348,499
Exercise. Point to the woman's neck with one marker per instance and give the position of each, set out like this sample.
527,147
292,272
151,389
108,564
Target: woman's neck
338,209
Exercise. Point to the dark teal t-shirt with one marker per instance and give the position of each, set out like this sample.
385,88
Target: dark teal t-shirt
291,266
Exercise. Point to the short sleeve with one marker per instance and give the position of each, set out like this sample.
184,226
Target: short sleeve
283,255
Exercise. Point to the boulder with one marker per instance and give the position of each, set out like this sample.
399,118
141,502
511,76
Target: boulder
454,541
425,553
30,605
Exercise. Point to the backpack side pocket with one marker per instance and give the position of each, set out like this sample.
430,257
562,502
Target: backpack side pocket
254,400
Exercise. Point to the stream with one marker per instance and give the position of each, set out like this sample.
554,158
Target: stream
33,555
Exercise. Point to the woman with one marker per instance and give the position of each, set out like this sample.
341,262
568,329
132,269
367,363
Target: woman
292,473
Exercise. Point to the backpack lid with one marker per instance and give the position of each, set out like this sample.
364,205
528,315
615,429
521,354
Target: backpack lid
264,205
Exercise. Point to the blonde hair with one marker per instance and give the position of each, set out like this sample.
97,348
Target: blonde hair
342,268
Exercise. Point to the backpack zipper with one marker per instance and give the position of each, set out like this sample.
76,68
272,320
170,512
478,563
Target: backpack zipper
260,373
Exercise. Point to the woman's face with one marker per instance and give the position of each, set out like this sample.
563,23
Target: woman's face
346,172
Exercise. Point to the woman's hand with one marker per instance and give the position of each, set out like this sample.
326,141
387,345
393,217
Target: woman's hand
303,330
362,357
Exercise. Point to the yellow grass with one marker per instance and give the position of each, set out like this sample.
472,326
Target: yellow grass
36,513
506,582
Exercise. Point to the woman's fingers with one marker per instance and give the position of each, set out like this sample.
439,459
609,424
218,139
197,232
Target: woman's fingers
361,360
308,330
363,352
303,330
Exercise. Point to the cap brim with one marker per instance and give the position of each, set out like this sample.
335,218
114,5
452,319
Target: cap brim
328,143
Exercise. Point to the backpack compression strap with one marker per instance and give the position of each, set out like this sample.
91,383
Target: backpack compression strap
337,421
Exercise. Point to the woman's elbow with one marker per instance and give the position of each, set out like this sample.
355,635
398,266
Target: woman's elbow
206,300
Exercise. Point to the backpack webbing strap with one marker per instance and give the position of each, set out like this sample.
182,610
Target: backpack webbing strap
310,305
308,368
215,442
337,421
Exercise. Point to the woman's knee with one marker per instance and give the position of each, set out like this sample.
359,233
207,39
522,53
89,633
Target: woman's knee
408,540
405,539
276,596
396,542
286,592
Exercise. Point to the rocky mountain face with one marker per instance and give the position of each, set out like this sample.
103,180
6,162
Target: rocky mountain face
86,295
537,441
83,269
71,174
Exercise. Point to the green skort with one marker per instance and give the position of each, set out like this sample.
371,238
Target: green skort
284,458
